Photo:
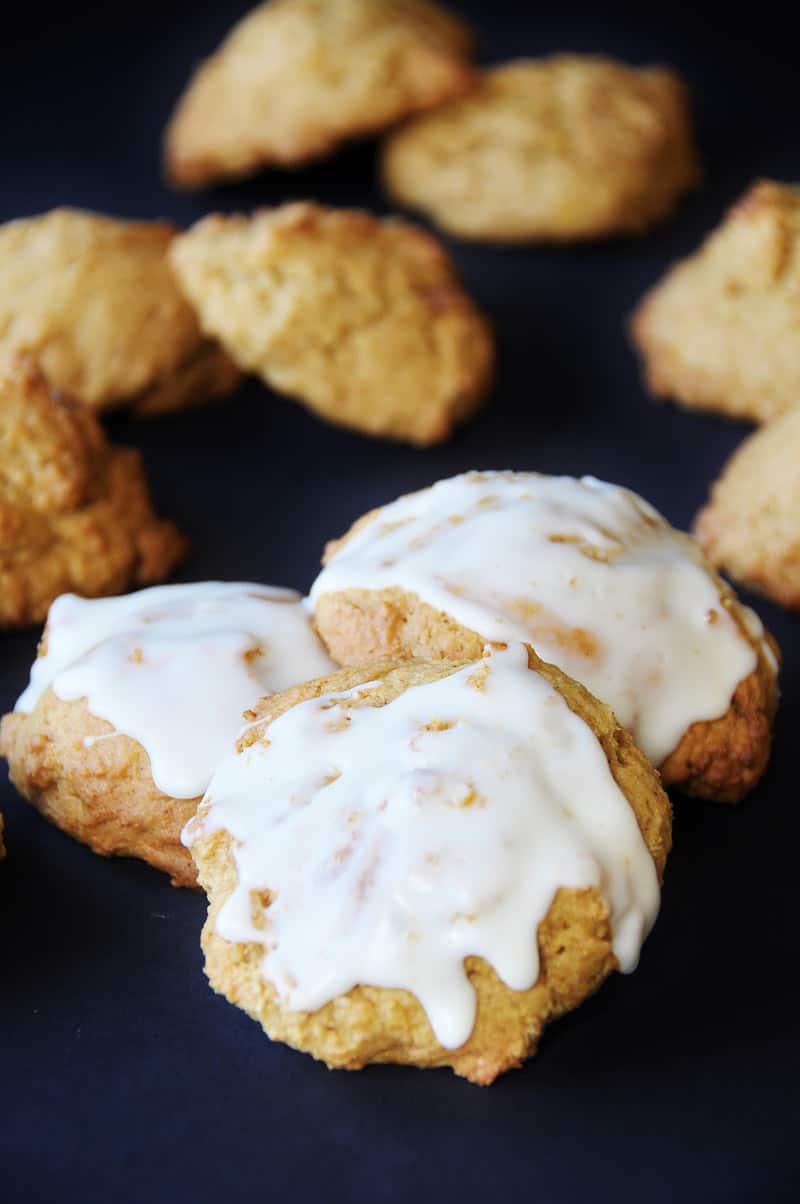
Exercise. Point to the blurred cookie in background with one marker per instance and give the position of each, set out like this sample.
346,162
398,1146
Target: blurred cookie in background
559,149
93,301
721,331
363,320
297,77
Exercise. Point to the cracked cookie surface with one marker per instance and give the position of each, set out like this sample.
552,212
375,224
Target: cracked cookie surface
721,331
93,301
75,511
296,77
570,147
363,320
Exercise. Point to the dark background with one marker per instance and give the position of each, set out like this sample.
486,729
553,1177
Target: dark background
122,1077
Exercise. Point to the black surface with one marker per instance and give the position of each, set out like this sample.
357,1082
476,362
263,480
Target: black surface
121,1076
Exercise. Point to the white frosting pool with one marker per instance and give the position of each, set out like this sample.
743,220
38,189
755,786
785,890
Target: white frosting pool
176,666
397,841
588,573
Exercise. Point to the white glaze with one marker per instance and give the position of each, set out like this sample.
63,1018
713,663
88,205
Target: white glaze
393,851
644,630
176,666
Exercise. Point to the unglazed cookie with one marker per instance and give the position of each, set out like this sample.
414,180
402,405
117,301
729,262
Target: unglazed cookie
424,863
133,700
596,580
363,320
297,77
750,527
75,511
564,148
93,301
721,331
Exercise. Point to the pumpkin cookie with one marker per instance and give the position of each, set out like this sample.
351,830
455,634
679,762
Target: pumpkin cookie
297,77
750,527
94,302
596,580
363,320
75,511
133,700
566,148
425,863
721,331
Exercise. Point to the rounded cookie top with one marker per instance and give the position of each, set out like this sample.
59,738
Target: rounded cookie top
75,511
390,825
176,666
588,573
750,526
568,147
296,77
364,320
94,302
721,331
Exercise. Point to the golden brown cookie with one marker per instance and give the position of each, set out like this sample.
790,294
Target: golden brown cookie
369,1023
93,301
565,148
75,511
363,320
132,700
361,615
96,784
296,77
750,527
721,331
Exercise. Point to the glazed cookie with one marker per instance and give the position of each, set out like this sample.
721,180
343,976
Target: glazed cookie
596,580
133,700
721,331
297,77
93,301
75,511
751,525
363,320
424,863
564,148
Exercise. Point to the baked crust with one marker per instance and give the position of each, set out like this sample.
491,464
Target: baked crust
297,77
371,1024
93,301
75,511
365,321
720,759
721,331
750,527
95,784
564,148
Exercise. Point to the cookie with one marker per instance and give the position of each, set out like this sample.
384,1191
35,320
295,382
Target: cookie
75,511
565,148
134,699
365,321
721,331
423,863
94,302
596,580
750,527
297,77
